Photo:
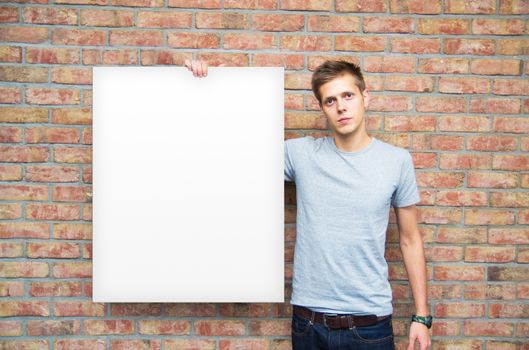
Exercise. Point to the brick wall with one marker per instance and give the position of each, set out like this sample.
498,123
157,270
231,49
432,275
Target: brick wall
449,80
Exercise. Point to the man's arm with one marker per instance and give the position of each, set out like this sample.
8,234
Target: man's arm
411,246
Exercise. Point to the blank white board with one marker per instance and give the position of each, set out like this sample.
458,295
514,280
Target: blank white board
188,188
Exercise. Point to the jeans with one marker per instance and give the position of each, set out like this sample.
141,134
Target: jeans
314,336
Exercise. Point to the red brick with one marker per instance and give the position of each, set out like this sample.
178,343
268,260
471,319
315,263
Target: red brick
461,198
439,179
436,26
24,308
10,133
9,14
415,6
23,75
219,327
73,116
305,120
193,40
464,85
470,7
469,46
464,123
24,154
249,4
388,25
224,20
47,15
52,250
10,53
320,5
508,162
10,249
514,7
50,289
510,87
107,18
443,65
306,42
45,173
509,199
326,23
52,55
81,37
20,34
490,291
136,37
495,105
152,344
53,327
393,103
165,327
143,309
31,344
52,135
388,64
73,154
52,96
416,45
487,328
24,230
196,3
278,22
79,344
442,253
450,328
424,160
512,274
459,310
488,217
360,43
122,56
513,46
487,26
78,308
508,236
440,104
23,192
496,67
75,269
168,57
459,273
72,193
439,215
244,41
10,211
489,254
10,328
103,327
10,95
461,235
289,61
137,3
408,83
156,19
360,6
492,180
71,75
409,123
207,309
52,212
10,173
491,143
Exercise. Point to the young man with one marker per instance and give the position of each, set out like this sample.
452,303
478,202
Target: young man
345,185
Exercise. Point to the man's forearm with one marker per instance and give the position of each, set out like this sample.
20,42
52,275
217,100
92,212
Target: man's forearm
415,263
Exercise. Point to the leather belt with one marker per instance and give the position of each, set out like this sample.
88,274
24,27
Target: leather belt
339,321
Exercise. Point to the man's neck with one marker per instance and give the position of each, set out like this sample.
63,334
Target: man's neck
352,143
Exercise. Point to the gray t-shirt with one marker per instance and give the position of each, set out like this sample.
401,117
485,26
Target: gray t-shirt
343,203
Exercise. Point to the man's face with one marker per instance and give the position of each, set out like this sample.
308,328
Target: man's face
344,105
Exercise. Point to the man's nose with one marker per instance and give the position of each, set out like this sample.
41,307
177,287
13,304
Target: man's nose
340,104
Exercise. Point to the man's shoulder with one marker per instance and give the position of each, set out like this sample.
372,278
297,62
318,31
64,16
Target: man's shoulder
393,151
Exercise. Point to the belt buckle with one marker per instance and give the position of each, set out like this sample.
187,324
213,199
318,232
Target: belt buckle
325,318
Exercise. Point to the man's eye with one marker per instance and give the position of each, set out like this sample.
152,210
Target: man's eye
329,102
348,94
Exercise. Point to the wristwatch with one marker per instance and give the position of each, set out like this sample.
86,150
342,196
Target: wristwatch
425,320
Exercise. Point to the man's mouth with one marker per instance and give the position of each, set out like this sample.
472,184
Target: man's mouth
343,120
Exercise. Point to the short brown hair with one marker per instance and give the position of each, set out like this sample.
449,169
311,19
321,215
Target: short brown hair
329,70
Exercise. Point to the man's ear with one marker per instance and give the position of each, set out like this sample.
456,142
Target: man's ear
367,97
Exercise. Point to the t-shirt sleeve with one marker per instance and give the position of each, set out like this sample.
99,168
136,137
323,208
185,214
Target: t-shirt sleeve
406,193
289,169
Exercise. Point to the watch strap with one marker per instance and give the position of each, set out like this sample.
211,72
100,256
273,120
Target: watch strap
425,320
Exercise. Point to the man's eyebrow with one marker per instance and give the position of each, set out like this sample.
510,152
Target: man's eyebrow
332,97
